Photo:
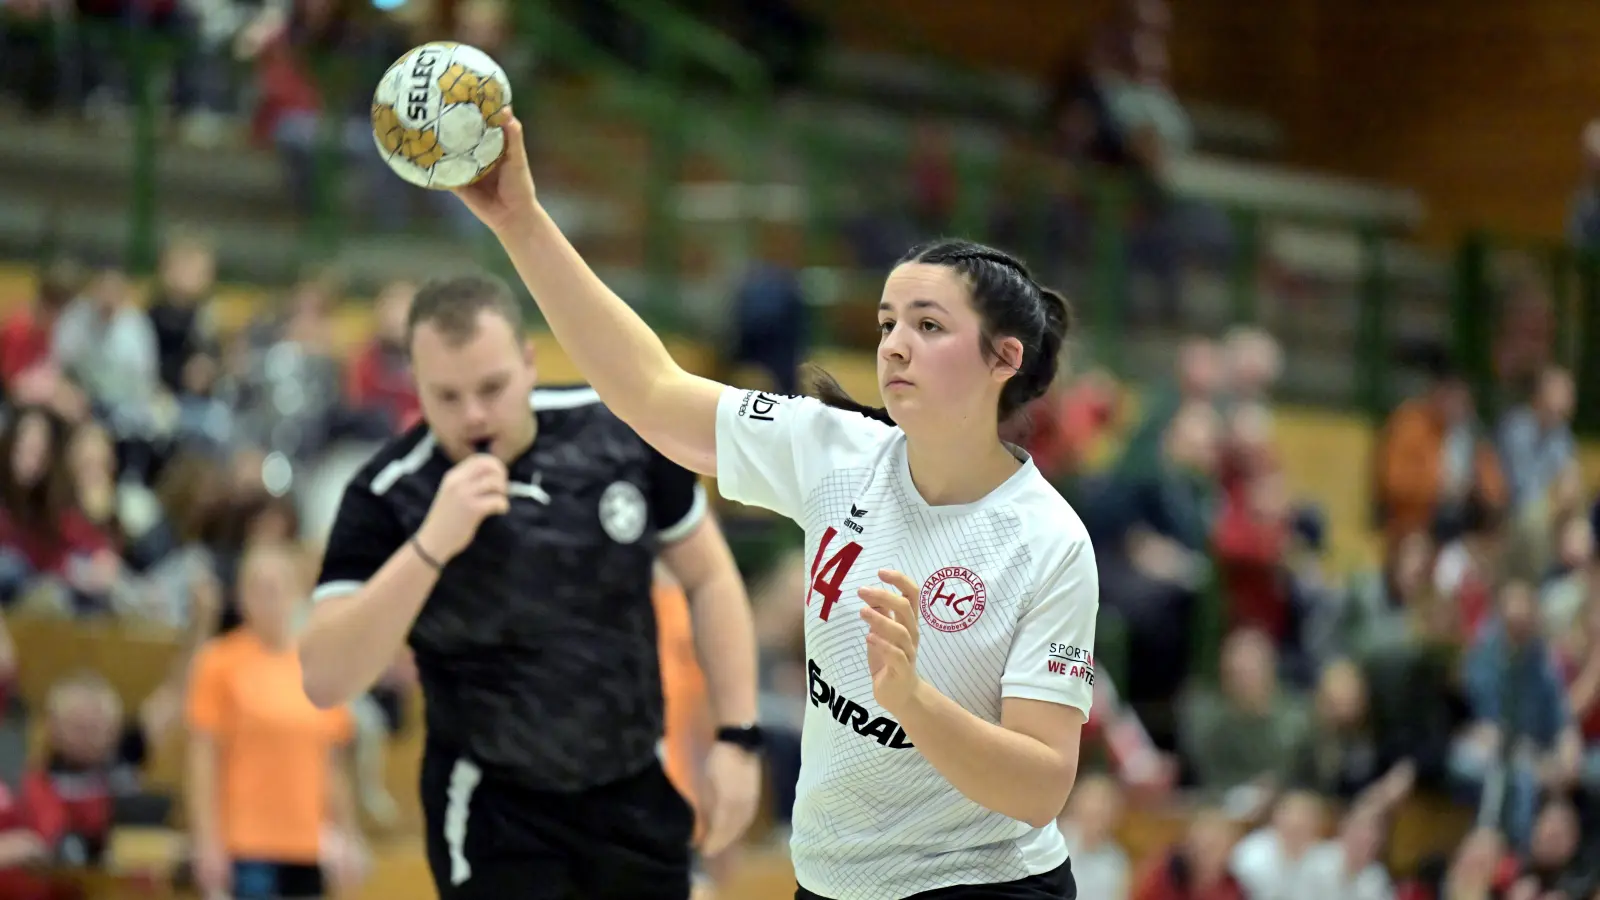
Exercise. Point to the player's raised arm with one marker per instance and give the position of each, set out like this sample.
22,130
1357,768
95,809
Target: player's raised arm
620,356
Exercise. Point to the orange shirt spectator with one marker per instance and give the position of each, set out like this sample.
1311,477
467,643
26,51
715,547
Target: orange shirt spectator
264,777
273,747
1432,461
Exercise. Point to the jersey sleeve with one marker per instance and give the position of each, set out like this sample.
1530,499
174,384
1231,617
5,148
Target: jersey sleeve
1052,652
677,499
773,448
365,534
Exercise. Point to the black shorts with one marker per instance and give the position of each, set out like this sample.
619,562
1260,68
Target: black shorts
255,879
1056,884
490,838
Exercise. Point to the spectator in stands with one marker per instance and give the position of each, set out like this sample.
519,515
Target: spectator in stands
1062,429
1433,460
1251,539
46,544
1581,652
266,770
91,757
124,510
291,394
1197,868
1291,859
1522,733
1552,863
1249,735
1391,607
380,375
1535,439
1152,533
26,335
1267,861
1478,870
180,307
1344,755
1568,584
205,418
1349,867
105,339
1089,824
1533,535
1254,362
1198,377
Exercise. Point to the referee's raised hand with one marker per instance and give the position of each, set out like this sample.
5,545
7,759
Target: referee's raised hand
471,492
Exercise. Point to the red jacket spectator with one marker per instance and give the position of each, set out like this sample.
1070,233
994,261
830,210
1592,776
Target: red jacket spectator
1250,537
380,379
1059,429
24,343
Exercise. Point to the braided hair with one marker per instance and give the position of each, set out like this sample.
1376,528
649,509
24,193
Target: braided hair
1009,303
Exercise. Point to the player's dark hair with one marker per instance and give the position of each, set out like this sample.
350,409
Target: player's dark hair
452,305
1009,303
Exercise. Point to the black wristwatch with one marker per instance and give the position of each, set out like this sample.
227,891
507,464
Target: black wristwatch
745,737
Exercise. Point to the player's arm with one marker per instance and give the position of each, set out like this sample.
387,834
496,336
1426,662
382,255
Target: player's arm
620,356
694,549
1025,766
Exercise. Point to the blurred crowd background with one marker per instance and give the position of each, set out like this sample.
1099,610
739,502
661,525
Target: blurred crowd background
1326,419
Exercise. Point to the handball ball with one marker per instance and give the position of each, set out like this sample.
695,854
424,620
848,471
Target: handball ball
438,113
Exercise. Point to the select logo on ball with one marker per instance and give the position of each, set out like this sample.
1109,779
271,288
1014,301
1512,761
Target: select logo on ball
438,115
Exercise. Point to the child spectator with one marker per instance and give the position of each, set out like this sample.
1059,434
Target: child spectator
267,779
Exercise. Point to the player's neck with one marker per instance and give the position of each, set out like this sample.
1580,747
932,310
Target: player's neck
949,473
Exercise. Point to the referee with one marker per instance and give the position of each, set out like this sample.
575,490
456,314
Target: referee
510,542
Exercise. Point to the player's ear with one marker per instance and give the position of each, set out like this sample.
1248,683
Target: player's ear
528,353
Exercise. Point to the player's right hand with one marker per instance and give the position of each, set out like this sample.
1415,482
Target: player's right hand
504,196
471,492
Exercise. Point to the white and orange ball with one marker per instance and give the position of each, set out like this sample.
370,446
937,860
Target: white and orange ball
439,113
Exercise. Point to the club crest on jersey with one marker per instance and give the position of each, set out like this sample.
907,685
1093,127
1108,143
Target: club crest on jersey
622,512
953,598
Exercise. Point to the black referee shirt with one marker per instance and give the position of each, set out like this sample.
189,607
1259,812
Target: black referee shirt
537,647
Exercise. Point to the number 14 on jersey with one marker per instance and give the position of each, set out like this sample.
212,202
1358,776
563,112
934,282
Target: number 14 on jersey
828,576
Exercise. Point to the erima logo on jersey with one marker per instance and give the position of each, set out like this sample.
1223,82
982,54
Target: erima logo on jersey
882,729
758,406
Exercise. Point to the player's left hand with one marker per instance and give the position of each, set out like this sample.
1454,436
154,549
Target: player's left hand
733,788
892,639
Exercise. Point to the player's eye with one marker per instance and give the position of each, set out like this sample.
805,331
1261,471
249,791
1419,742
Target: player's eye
885,327
491,390
930,325
449,398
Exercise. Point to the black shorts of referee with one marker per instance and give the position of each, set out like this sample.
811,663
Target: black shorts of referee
490,838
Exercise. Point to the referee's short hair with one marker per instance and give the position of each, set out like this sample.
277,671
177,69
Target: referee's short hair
452,305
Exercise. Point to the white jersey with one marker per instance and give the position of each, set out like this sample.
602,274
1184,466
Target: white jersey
1008,603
